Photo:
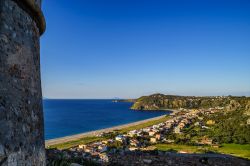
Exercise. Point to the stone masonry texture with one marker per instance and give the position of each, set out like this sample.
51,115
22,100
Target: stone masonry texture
21,116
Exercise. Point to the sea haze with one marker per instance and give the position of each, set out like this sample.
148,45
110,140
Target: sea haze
68,117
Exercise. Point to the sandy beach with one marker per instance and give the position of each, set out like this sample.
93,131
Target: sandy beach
96,132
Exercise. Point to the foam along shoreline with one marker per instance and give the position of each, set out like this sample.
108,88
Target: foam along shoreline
97,132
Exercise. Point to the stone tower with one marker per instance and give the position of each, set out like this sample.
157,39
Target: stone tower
21,116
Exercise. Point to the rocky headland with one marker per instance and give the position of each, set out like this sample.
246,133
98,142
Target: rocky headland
164,102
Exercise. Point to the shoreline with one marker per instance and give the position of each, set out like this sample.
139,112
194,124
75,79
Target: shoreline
65,139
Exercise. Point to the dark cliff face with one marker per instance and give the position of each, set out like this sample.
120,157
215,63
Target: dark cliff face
21,116
160,101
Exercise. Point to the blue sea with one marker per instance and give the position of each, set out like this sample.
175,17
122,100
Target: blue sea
68,117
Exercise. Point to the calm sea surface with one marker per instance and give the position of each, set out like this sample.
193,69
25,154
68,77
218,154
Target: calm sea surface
68,117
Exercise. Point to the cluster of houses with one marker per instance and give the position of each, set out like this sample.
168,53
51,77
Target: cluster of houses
142,139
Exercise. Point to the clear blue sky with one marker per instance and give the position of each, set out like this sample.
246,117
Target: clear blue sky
129,48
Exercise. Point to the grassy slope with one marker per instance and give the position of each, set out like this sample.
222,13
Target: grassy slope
87,140
231,149
70,144
236,150
177,148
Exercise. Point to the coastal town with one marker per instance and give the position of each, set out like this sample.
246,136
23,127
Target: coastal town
143,139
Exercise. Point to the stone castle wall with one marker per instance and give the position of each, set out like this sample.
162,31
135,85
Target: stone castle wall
21,116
